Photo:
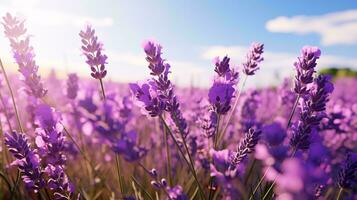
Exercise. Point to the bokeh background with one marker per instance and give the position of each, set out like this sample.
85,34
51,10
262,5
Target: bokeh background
192,34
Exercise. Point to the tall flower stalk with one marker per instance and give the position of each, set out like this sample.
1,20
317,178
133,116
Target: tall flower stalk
157,96
305,69
96,60
250,66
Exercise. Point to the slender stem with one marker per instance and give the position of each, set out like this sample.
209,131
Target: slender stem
339,193
273,184
192,163
142,188
293,111
211,180
15,184
250,171
167,194
6,181
189,163
121,184
102,87
216,136
294,150
168,155
229,119
259,183
117,159
12,97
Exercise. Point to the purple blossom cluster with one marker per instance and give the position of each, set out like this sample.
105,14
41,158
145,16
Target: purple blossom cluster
141,141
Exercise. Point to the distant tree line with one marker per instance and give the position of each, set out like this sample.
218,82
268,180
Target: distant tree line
339,72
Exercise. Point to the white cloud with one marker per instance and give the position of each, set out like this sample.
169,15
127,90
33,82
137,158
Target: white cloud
334,28
183,73
36,17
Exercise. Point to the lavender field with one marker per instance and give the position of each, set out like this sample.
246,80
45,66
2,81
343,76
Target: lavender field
91,138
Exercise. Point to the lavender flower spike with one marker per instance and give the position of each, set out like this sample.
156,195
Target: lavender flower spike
27,160
246,146
254,57
305,68
222,91
313,108
92,49
24,55
348,174
163,86
59,183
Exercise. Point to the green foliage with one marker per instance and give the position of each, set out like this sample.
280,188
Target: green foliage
339,72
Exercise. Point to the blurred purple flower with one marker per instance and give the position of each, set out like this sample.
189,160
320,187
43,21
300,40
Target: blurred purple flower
220,96
24,55
248,116
176,193
128,147
347,177
72,86
50,138
274,133
220,167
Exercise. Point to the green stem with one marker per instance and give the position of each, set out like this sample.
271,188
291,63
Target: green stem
250,171
233,109
259,183
121,183
293,111
211,179
142,188
188,162
12,97
339,193
168,155
102,87
6,181
273,184
294,150
15,184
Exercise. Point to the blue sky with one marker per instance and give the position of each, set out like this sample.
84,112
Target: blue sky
191,32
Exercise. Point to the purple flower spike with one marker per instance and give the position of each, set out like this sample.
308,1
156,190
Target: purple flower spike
348,174
59,183
254,57
92,49
153,56
313,108
222,91
222,67
246,146
27,160
158,93
24,55
147,99
305,68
